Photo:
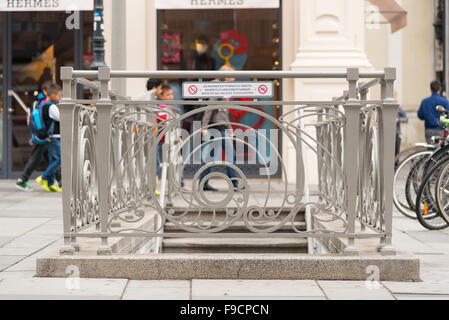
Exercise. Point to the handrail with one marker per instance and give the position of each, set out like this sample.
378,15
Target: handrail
228,74
19,101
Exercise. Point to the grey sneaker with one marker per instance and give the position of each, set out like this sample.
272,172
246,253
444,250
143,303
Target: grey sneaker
23,185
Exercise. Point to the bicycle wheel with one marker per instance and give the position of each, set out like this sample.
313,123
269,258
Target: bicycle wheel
426,208
418,171
414,179
442,192
400,185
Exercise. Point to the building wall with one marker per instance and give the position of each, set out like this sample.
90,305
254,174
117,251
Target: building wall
418,62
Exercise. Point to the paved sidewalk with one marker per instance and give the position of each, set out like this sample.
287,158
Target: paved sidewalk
31,226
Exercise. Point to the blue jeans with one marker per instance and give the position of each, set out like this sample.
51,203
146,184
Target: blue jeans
159,159
228,146
54,160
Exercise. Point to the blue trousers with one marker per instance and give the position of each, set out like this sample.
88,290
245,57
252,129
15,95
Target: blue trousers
54,160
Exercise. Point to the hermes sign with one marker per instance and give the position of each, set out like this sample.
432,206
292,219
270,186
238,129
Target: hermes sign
46,5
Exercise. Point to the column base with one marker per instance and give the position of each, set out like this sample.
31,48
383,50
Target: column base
386,250
351,251
67,251
76,246
104,251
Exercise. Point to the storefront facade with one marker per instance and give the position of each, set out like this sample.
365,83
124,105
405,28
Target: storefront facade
35,43
265,35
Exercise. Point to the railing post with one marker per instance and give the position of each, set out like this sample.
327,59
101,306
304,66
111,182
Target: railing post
362,136
387,130
103,150
351,161
66,107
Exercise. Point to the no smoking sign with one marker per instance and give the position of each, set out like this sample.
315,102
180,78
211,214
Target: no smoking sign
193,90
221,89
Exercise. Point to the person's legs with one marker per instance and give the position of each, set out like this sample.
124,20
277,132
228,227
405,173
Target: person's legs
398,145
432,133
58,176
55,161
228,147
34,160
159,160
207,154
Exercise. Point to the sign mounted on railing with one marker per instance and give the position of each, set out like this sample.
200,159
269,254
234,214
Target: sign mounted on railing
239,89
46,5
216,4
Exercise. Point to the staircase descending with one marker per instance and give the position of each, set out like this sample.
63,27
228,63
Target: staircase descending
274,243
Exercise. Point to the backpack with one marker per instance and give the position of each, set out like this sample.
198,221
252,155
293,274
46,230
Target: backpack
40,133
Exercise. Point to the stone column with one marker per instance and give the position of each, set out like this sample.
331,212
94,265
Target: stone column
330,36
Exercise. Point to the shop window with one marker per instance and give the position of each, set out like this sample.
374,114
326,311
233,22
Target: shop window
247,39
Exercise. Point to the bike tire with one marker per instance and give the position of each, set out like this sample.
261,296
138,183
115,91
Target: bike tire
436,222
403,205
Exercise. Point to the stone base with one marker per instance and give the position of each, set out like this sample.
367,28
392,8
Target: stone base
233,266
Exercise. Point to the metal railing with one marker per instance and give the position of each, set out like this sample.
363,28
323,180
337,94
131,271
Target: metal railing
109,147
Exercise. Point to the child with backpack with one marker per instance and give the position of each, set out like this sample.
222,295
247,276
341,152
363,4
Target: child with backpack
45,128
39,149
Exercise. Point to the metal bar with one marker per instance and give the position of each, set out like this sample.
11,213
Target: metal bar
369,84
351,161
388,114
68,122
19,101
226,235
228,74
232,103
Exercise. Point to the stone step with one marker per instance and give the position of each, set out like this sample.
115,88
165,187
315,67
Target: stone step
234,245
231,266
240,226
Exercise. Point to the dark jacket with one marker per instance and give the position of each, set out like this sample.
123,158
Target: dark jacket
427,111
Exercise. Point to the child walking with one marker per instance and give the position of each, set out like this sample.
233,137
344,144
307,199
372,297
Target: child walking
52,118
38,149
166,95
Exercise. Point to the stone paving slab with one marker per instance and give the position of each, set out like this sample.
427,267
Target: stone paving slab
157,290
17,251
434,287
5,240
9,260
14,212
354,290
61,289
421,297
255,289
13,227
17,275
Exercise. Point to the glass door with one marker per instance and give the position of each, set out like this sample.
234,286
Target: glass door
41,44
2,117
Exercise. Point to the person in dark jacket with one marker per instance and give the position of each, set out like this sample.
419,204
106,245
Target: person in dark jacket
400,118
427,111
38,151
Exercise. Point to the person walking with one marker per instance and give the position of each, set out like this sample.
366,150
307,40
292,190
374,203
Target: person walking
427,112
37,154
162,116
400,118
221,122
52,118
154,87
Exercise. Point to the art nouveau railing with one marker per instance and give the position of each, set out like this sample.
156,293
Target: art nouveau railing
109,146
